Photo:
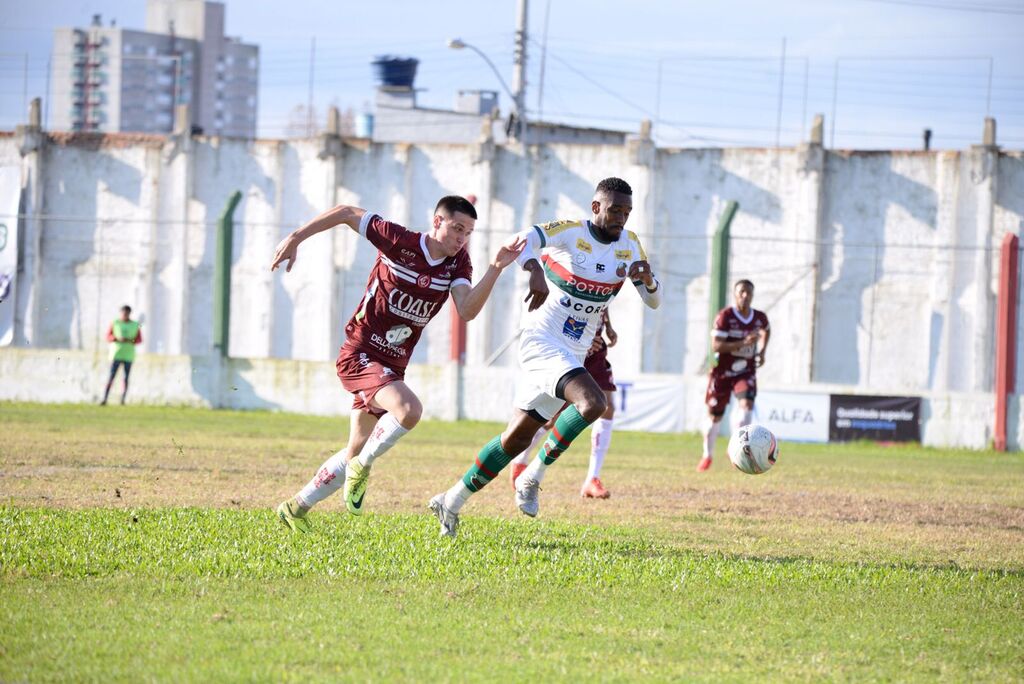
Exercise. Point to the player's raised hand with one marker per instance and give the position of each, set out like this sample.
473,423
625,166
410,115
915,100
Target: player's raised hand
509,251
641,270
538,289
287,250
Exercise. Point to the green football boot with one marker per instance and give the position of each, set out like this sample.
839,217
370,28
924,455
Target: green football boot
356,477
293,517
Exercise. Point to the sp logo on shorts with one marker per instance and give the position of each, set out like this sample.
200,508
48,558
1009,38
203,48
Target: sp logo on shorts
573,329
423,281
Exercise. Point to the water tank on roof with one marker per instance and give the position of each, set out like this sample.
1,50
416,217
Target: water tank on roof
395,72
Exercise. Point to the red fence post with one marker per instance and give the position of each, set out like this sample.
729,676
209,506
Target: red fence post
1006,333
458,337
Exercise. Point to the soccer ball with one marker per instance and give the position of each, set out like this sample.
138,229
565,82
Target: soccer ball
753,449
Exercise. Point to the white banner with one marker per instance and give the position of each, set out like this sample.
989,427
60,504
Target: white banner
652,406
10,198
793,416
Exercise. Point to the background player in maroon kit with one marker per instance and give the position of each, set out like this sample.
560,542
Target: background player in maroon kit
410,281
739,340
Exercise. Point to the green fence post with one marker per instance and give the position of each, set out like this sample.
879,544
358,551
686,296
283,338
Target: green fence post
719,270
222,275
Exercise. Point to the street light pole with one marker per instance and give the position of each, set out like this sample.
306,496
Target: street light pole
459,44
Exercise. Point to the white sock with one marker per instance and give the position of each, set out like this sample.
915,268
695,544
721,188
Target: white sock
710,435
536,470
524,458
328,479
746,417
600,440
387,432
455,497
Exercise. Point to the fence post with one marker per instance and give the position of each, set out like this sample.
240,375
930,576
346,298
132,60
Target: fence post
222,275
720,270
1006,333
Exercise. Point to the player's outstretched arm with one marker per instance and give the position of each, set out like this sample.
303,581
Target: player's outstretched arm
646,284
765,335
470,300
288,248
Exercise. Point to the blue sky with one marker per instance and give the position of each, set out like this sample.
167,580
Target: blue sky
903,65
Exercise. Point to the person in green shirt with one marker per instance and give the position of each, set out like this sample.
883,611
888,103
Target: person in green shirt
123,335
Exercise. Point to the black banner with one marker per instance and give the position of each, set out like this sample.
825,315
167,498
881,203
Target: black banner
886,419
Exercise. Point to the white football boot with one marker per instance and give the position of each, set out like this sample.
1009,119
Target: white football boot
527,489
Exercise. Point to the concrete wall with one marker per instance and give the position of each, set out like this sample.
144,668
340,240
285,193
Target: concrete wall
878,270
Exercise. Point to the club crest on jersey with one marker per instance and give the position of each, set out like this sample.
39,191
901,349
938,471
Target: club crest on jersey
573,329
423,281
584,246
621,269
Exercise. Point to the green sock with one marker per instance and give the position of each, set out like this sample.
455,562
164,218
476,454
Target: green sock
567,428
489,462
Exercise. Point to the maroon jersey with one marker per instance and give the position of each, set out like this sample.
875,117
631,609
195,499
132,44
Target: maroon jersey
406,288
730,326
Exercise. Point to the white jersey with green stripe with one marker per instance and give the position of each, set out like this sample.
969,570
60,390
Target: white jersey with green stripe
584,274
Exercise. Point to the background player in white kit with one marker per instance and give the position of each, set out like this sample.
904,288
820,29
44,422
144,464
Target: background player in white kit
586,262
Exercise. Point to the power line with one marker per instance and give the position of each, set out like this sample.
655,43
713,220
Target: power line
986,9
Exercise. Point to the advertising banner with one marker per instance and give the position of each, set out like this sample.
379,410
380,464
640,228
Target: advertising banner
10,197
887,419
651,406
793,416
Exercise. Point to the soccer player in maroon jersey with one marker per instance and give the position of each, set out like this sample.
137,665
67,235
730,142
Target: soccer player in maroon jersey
410,281
739,340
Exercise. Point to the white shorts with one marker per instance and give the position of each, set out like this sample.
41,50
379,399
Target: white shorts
542,363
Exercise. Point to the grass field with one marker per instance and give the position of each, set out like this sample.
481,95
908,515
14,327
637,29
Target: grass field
139,543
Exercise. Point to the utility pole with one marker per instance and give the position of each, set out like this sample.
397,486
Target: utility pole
519,66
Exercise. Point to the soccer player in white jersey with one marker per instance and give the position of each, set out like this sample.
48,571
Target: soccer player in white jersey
586,262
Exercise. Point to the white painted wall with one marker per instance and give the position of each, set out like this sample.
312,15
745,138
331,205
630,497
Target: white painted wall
878,269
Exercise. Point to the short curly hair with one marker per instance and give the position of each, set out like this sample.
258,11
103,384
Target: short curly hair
613,184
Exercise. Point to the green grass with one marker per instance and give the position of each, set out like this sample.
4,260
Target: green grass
851,562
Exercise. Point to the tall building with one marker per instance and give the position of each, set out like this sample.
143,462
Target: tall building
107,78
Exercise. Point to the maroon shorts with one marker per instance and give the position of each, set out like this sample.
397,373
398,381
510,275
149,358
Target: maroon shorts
744,386
599,368
364,377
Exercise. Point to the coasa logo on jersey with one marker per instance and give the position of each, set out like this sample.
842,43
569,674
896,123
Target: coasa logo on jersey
417,310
